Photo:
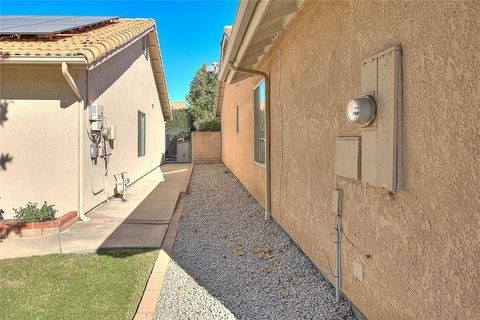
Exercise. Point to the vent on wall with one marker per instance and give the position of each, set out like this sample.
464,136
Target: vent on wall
275,35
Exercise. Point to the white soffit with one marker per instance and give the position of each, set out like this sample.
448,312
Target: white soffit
264,25
158,72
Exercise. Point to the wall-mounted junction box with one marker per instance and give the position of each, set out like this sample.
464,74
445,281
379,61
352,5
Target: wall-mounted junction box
347,156
111,133
382,142
94,150
337,202
95,112
96,126
357,270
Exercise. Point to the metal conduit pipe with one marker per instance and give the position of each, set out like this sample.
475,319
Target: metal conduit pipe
68,77
268,183
338,283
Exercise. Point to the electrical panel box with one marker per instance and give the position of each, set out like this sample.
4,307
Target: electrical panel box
382,142
96,126
357,270
347,156
95,112
94,150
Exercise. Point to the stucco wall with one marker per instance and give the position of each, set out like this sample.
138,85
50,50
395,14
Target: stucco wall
237,148
206,147
419,248
39,135
124,85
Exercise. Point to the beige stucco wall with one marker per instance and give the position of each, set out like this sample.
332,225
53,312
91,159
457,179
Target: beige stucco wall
420,248
41,133
40,137
206,147
125,85
237,148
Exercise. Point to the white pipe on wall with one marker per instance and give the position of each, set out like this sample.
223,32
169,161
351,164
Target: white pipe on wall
68,77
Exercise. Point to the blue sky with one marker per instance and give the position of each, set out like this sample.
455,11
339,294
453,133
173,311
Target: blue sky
189,31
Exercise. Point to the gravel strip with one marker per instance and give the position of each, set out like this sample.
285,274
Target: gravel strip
227,263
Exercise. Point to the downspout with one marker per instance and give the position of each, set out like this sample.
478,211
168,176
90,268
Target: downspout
338,283
68,77
268,183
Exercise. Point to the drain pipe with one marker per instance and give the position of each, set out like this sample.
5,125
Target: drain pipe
337,260
268,183
337,208
68,77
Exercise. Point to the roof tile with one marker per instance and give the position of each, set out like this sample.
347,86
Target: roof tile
92,43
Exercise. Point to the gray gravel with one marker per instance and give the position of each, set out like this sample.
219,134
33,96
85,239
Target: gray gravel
227,263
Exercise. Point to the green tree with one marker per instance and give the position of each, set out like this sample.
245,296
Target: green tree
201,98
203,89
181,121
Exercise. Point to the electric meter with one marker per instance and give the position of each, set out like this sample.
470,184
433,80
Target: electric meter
362,110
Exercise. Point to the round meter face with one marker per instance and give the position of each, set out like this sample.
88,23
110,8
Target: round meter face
353,110
361,110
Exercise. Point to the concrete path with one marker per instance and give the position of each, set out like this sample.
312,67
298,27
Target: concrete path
141,222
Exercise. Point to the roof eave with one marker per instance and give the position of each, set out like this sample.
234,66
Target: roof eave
252,36
242,19
159,73
7,59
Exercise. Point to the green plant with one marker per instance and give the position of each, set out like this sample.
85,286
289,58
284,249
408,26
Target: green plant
32,213
210,125
180,122
203,90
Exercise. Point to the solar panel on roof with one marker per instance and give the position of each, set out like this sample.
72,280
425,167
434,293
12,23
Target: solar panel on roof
45,25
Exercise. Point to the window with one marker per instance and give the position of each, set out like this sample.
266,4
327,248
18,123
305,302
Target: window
259,123
238,118
141,134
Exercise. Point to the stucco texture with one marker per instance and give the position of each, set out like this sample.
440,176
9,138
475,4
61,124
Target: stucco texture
420,247
42,126
39,134
124,85
237,148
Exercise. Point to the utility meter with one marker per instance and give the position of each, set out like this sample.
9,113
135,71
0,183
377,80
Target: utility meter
96,112
362,110
94,150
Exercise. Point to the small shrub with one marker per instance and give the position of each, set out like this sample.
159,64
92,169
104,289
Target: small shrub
210,125
32,213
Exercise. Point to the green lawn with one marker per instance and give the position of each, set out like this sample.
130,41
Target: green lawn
105,285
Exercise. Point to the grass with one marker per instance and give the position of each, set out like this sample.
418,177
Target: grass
104,285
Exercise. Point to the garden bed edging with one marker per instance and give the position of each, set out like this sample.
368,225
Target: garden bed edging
14,229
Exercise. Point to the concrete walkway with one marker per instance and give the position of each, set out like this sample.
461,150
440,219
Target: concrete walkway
141,222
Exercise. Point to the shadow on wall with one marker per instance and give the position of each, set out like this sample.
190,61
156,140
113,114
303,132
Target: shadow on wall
5,158
104,76
3,111
99,80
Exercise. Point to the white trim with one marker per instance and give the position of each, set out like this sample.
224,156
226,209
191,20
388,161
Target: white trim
242,20
7,59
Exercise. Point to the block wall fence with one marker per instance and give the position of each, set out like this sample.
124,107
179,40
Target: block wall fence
206,147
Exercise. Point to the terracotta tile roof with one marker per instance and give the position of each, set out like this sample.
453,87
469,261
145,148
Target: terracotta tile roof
227,30
92,43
